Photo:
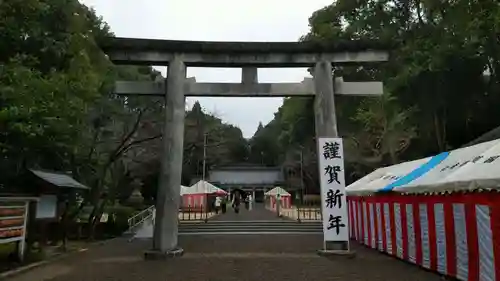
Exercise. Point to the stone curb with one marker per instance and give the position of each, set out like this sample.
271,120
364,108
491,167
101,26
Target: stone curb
23,269
337,253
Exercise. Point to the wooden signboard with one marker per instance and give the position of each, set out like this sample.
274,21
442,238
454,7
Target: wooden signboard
12,221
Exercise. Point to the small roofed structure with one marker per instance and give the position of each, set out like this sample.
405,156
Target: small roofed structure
53,188
36,197
276,193
59,179
55,192
200,195
204,187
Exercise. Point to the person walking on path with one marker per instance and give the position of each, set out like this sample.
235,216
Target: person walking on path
236,203
250,202
218,201
223,204
247,203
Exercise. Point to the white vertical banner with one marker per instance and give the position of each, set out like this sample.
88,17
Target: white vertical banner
333,196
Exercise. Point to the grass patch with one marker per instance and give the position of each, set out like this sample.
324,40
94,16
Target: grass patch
7,249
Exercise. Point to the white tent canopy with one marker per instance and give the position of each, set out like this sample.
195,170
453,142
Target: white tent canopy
382,177
362,182
202,187
183,189
457,166
277,190
469,168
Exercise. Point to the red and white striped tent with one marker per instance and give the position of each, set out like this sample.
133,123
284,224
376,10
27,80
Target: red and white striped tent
195,196
443,215
285,198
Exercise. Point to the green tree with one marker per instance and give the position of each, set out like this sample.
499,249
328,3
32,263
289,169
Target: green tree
386,132
50,74
56,111
439,99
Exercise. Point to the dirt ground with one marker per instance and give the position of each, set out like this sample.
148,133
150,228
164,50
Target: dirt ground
276,257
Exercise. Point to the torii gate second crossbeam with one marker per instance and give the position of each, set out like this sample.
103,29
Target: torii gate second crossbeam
248,89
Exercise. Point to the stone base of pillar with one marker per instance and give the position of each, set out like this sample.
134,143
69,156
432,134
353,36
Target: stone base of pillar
337,248
331,253
159,255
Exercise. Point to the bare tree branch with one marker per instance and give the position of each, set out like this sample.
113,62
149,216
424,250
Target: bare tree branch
125,148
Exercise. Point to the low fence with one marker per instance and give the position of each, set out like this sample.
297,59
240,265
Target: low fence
137,219
300,211
197,213
188,213
457,235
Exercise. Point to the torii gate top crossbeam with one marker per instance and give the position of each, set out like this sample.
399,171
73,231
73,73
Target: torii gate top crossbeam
241,54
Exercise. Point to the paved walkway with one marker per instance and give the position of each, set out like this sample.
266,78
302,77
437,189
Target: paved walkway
258,213
229,258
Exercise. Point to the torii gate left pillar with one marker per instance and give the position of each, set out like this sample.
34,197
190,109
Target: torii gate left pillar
165,234
178,55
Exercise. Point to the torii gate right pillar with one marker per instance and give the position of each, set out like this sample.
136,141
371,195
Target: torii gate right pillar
326,122
324,104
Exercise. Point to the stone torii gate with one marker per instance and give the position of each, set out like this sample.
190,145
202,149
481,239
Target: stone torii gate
249,56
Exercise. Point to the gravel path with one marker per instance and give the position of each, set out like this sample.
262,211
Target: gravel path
225,258
229,258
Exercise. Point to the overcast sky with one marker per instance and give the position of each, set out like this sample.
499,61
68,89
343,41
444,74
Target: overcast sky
218,20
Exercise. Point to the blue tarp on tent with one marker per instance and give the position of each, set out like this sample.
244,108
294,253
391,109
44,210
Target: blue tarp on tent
418,172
